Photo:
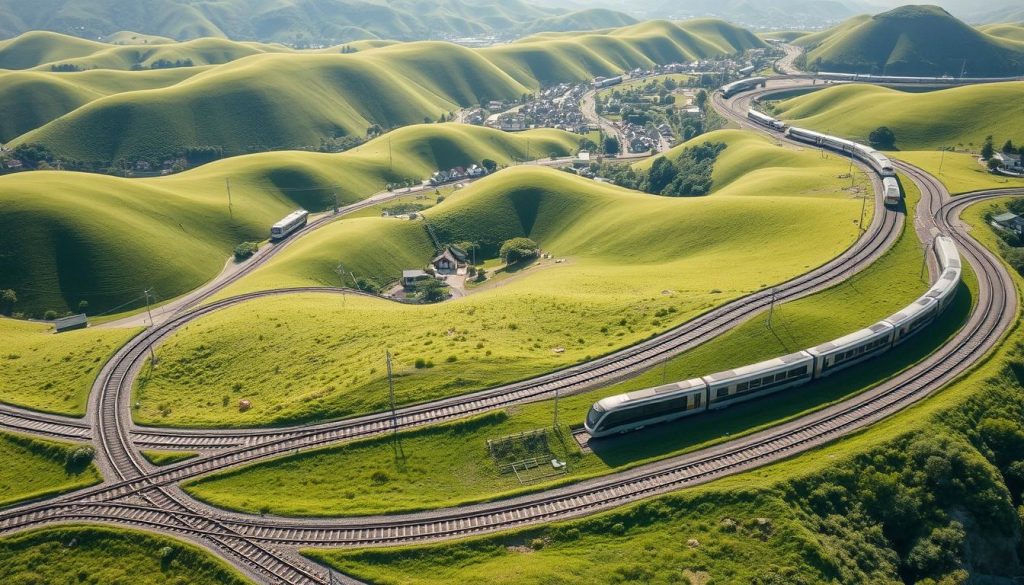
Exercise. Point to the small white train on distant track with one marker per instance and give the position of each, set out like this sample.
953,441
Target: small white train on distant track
635,410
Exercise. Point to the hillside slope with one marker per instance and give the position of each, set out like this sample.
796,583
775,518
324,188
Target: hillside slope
275,101
70,237
30,99
912,40
295,21
962,115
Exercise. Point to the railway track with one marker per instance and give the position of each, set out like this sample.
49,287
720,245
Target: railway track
264,547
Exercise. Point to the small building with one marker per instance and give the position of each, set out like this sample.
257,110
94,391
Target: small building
411,277
70,323
1010,222
448,261
1010,162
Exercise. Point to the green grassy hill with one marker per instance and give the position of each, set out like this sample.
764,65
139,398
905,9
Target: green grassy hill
38,468
296,21
634,264
70,236
1010,32
300,100
31,99
957,116
912,40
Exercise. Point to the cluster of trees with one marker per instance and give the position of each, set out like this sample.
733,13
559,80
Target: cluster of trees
688,175
164,64
518,249
882,138
65,68
988,151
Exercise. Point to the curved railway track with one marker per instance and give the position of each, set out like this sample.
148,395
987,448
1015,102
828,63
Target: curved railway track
264,547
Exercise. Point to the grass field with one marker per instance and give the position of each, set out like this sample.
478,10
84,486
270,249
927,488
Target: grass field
302,99
718,532
93,554
960,172
911,40
53,373
36,468
167,457
448,464
635,265
71,237
960,117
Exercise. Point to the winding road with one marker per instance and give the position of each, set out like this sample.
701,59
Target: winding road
137,494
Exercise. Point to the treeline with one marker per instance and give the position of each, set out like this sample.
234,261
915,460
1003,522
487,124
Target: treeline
687,175
163,64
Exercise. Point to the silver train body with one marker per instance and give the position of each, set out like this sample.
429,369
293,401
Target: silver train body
881,79
289,224
891,189
636,410
730,89
869,156
765,120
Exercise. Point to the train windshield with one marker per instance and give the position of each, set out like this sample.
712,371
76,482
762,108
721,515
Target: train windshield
594,415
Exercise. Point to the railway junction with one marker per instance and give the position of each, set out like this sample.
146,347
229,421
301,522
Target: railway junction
140,495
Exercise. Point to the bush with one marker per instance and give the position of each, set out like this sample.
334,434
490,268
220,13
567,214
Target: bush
50,315
431,290
245,250
79,458
420,363
882,137
518,249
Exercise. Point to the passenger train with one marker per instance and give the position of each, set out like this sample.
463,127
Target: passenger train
876,160
289,224
635,410
946,80
730,89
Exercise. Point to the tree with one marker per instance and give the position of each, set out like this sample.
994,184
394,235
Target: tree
987,149
662,172
518,249
489,164
1008,147
245,250
431,290
882,137
611,145
7,299
670,84
701,99
587,145
994,164
83,306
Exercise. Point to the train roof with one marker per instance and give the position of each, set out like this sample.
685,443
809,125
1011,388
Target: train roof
910,311
651,393
743,82
291,217
879,329
890,181
945,249
945,284
761,367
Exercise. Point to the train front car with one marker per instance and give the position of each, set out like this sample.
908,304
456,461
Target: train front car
891,188
944,289
747,382
635,410
851,349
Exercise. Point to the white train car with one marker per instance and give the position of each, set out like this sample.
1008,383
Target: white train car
912,318
767,377
730,89
635,410
891,188
944,289
765,120
289,224
851,349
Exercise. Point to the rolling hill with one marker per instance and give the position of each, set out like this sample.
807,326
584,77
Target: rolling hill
48,50
297,21
962,115
276,101
912,40
69,237
1010,32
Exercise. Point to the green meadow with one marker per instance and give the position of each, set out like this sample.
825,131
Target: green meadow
960,172
634,265
159,458
958,117
448,464
53,372
38,468
74,237
808,519
93,554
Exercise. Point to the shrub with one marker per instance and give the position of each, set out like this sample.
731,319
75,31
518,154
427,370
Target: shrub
518,249
50,315
420,363
882,137
79,458
245,250
379,477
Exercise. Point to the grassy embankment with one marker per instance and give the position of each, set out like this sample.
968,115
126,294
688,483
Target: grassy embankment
448,464
37,468
73,237
91,554
635,265
53,373
926,495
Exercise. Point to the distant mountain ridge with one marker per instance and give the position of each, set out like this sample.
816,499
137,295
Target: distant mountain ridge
912,40
298,22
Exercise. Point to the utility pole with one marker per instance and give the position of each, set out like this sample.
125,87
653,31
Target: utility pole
771,309
227,183
863,205
942,159
391,394
152,354
924,258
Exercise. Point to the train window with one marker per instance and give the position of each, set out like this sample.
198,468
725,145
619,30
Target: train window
721,392
780,376
696,400
797,372
755,384
742,386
